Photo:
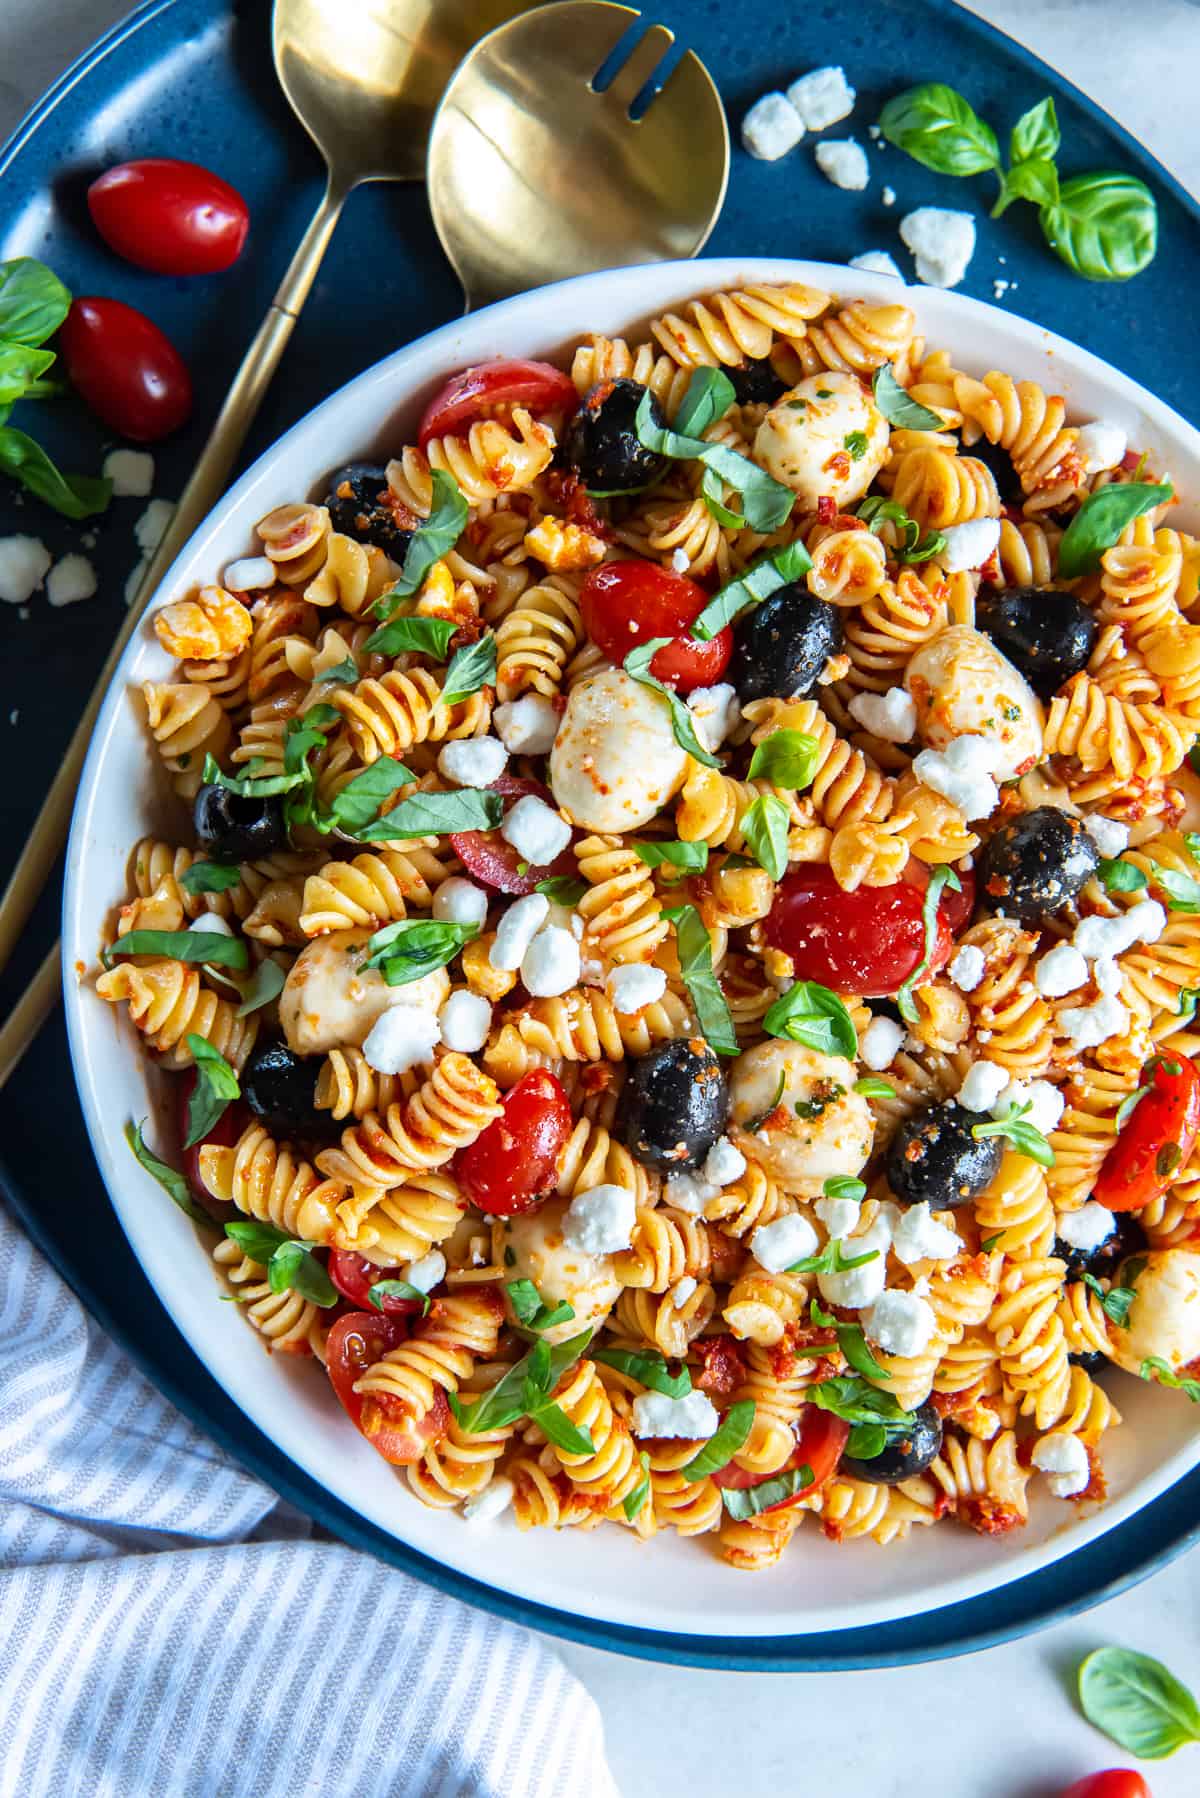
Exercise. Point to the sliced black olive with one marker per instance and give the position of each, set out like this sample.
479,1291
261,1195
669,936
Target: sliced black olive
933,1156
756,382
1126,1237
1037,864
280,1088
1008,481
674,1106
907,1456
601,442
780,648
1045,632
235,829
358,502
1091,1360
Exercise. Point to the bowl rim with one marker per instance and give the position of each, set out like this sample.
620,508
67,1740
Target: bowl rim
666,282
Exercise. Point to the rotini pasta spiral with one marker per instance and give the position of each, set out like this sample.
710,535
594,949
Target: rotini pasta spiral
449,1110
169,1002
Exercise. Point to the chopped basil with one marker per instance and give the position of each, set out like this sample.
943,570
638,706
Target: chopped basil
831,1260
215,1089
531,1310
648,1368
1159,1372
397,1289
1182,892
300,738
692,858
433,538
172,1183
898,407
712,492
694,948
1100,520
524,1389
766,502
413,947
753,1124
1128,1105
424,636
844,1186
709,395
683,725
290,1264
913,547
809,1013
787,758
880,1417
1120,876
872,1087
725,1442
633,1501
251,786
855,444
765,828
852,1342
359,802
1137,1702
939,877
557,1427
1188,997
435,814
990,1242
209,946
750,1500
266,983
562,889
344,673
1167,1160
473,667
1115,1302
1023,1137
764,577
210,877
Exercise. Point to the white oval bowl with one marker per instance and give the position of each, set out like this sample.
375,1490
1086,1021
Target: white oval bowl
606,1575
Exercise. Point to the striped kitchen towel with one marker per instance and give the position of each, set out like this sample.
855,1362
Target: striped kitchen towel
167,1628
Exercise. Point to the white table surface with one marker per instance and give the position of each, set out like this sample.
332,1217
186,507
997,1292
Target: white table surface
992,1725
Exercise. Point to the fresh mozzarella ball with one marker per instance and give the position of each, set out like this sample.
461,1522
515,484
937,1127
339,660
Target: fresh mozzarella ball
539,1252
964,687
329,999
615,761
803,440
807,1150
1164,1318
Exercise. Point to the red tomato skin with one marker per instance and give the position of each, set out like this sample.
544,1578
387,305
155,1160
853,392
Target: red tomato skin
1117,1782
509,1167
128,373
866,942
513,381
819,1444
1170,1113
356,1341
487,857
627,603
171,217
352,1275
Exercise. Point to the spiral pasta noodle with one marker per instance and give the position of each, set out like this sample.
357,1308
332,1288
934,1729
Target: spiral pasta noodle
447,1112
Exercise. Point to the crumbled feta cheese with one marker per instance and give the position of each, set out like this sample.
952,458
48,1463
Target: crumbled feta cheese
686,1193
132,475
880,1043
551,963
1102,444
151,526
1086,1228
877,262
402,1037
692,1417
716,710
1107,976
24,564
942,243
465,1020
789,1239
1060,971
1108,937
983,1085
491,1503
473,761
1000,287
516,930
962,773
527,726
771,128
843,162
682,1291
900,1322
919,1237
426,1273
724,1163
536,832
969,545
1109,836
600,1221
891,715
888,196
1087,1026
459,901
862,1285
1065,1459
72,579
967,968
839,1216
1046,1104
248,574
822,97
634,985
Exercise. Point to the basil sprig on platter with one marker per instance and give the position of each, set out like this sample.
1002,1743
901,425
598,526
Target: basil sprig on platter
265,983
33,304
875,1417
1138,1702
851,1340
423,636
531,1310
694,948
689,858
436,814
906,540
397,1289
765,827
1116,1301
210,877
648,1368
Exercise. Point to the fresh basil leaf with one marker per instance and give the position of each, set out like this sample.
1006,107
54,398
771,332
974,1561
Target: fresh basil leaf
694,948
1036,133
531,1310
1189,996
251,786
633,1501
898,407
557,1427
754,1124
259,1241
990,1242
709,395
1100,520
472,667
683,725
766,502
1104,225
20,367
648,1368
712,492
1115,1302
210,877
1121,877
208,946
765,828
397,1289
849,1397
1035,180
809,1013
360,801
541,1368
780,568
691,857
1137,1702
787,758
832,1260
844,1186
939,129
866,1441
1130,1103
853,1344
723,1444
172,1183
1160,1373
562,889
1181,891
33,301
872,1087
294,1268
266,983
433,538
215,1089
855,444
74,495
1021,1136
749,1501
413,947
424,636
435,814
940,877
344,673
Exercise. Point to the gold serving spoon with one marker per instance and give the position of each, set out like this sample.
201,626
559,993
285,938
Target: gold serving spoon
554,152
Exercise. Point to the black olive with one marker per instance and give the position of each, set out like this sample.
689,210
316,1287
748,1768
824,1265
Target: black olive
755,382
933,1156
280,1089
780,648
233,829
1037,864
1091,1360
674,1106
1045,632
904,1458
358,507
1126,1237
601,442
1008,481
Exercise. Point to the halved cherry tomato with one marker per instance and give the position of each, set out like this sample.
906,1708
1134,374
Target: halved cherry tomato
1156,1140
511,1166
486,855
626,603
174,218
129,374
354,1276
354,1344
492,386
819,1445
866,942
224,1133
1117,1782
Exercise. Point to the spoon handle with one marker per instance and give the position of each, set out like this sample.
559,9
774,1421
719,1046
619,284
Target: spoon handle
204,488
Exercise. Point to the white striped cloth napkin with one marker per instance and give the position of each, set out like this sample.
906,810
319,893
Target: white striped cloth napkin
167,1630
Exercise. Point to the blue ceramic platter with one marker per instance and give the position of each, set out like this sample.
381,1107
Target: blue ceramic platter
193,78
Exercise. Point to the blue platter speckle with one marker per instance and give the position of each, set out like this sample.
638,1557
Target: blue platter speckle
194,78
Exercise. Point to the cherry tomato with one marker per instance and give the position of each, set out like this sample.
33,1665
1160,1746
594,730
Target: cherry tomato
511,1166
1157,1138
1117,1782
355,1342
491,386
866,942
626,603
819,1445
354,1276
224,1133
174,218
130,375
486,855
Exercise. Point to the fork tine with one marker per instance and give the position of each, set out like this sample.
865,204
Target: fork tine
639,72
